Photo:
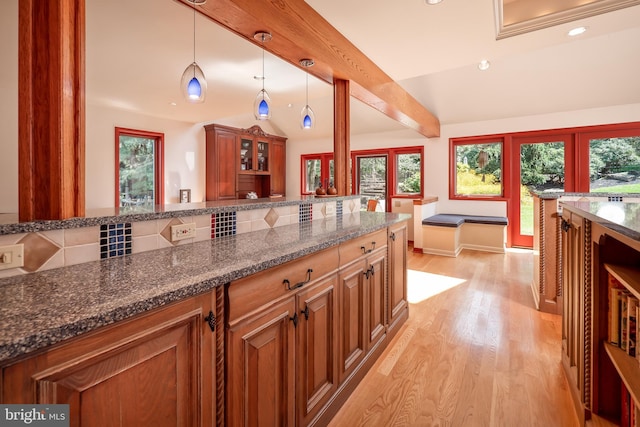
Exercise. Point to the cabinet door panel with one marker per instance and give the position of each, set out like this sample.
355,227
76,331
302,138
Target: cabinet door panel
261,368
278,167
397,274
317,361
157,369
352,345
221,174
376,286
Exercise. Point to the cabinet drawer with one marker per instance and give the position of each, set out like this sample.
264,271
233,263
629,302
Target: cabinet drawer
252,292
353,249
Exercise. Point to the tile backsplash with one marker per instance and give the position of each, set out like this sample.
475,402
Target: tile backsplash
44,250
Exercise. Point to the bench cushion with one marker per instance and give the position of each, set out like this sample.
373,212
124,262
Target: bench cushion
456,220
444,220
477,219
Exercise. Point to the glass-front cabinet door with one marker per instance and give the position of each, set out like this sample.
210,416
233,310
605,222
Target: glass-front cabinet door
246,154
263,157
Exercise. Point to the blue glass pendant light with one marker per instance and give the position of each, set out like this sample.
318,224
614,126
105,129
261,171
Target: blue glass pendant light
193,84
307,117
262,103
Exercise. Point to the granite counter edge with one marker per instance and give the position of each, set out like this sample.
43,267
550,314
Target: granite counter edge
24,345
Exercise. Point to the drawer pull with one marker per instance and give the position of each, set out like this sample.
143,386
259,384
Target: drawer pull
299,284
368,251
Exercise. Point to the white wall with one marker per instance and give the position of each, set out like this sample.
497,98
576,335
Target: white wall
437,149
184,155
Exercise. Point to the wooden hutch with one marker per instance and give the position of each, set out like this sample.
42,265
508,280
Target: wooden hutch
240,161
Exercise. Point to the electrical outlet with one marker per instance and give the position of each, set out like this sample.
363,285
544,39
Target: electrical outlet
183,231
11,256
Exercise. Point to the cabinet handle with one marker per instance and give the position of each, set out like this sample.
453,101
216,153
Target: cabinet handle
305,312
299,284
366,273
368,251
393,236
565,226
372,270
211,320
294,319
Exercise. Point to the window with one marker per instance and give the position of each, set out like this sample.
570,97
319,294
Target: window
139,169
409,174
476,169
614,164
316,169
400,170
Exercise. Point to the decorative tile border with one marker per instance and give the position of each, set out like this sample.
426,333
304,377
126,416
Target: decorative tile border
45,250
306,212
115,240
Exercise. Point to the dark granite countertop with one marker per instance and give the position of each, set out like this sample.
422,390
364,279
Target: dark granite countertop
621,217
9,223
44,308
555,194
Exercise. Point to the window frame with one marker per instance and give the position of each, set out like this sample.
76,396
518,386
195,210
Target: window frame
453,176
158,160
391,154
324,158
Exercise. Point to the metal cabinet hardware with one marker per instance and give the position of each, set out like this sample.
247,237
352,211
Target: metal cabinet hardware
299,284
211,320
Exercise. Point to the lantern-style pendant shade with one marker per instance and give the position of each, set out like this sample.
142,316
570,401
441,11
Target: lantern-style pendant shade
262,106
307,118
193,84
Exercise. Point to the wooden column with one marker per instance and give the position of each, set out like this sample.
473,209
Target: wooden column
341,131
51,114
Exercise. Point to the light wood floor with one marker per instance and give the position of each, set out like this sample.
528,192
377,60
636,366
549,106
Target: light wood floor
476,354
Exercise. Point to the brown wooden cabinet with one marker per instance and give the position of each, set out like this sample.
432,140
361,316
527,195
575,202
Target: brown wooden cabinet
300,336
363,281
156,369
576,287
239,161
398,305
282,325
278,167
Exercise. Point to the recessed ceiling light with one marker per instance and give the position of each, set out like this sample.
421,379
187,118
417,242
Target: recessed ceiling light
484,65
433,1
577,31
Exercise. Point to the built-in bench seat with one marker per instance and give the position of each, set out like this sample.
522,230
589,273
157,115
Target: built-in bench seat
448,234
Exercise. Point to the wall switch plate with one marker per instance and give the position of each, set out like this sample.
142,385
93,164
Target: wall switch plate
11,256
183,231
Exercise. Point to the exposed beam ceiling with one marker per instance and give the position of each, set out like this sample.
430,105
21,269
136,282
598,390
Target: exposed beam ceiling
300,32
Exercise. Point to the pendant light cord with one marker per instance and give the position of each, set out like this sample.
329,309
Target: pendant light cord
263,76
194,34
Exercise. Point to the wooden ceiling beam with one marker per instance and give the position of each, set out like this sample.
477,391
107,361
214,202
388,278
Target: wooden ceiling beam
300,32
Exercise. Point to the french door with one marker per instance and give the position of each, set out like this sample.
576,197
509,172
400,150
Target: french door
540,163
371,180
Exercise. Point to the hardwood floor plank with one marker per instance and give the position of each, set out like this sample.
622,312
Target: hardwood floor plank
474,351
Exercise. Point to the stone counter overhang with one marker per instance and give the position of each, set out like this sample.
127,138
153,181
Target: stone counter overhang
620,217
550,195
41,309
9,223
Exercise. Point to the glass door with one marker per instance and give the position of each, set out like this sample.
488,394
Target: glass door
541,166
371,180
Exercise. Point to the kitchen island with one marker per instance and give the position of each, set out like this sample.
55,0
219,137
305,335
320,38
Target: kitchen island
92,330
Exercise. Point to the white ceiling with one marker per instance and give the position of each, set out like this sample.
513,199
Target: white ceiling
137,51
